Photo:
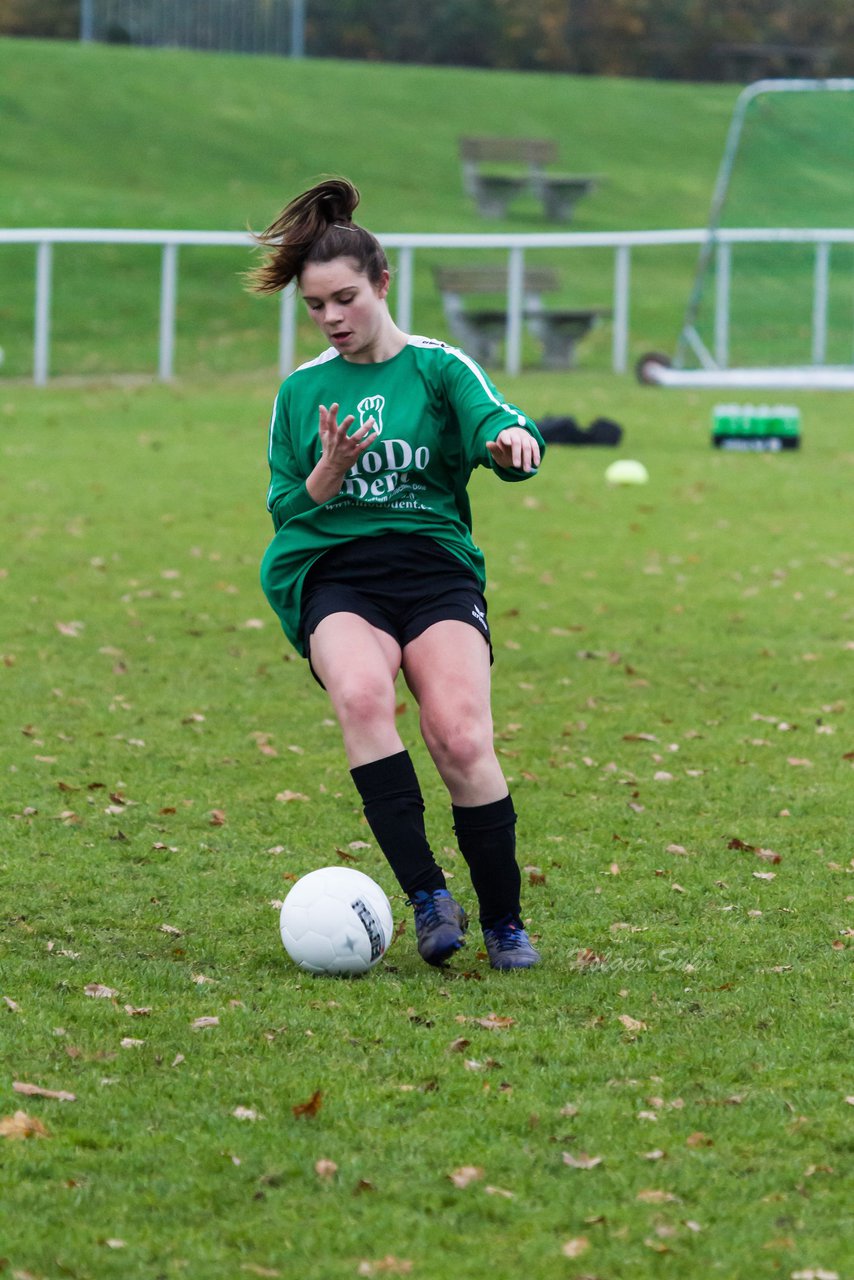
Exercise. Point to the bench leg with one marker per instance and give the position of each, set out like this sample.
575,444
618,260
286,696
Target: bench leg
558,206
482,346
493,204
493,193
559,336
559,341
482,349
558,350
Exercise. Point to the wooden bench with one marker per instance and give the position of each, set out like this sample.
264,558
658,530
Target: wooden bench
493,189
480,330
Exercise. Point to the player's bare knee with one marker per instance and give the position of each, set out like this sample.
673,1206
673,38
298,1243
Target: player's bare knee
363,704
459,746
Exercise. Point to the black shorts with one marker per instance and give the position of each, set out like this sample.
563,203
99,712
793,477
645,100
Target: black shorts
399,583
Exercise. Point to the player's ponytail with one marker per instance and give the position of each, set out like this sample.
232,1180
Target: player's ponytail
316,226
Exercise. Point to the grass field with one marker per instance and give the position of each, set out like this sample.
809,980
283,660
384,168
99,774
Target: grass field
670,1094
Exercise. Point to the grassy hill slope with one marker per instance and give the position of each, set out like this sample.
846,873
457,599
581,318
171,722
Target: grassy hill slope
104,136
100,136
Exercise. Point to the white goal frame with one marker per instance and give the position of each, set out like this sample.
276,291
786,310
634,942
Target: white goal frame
714,371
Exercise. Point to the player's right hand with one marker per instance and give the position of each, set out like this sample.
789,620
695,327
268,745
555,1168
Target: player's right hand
340,449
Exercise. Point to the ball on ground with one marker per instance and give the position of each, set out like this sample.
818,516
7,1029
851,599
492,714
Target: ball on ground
626,471
337,921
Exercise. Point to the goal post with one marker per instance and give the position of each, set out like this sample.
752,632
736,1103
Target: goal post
772,302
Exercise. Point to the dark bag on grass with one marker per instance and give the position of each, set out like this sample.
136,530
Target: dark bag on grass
567,431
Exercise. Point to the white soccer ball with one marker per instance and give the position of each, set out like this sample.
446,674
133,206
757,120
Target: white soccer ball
336,920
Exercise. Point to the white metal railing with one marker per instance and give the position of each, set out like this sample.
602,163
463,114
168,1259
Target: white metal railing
622,242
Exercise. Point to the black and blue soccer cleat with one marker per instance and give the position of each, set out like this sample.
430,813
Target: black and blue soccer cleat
508,945
440,923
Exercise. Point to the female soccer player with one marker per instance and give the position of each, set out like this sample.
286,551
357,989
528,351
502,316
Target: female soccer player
373,569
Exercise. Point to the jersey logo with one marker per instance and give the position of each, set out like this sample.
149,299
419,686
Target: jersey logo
371,410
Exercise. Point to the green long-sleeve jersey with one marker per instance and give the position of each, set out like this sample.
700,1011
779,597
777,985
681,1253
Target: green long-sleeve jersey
435,409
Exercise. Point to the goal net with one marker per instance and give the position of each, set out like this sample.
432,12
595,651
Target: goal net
772,303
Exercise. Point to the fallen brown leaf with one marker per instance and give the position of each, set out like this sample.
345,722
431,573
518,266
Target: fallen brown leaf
658,1246
465,1175
326,1169
311,1107
575,1247
780,1242
245,1113
20,1125
493,1022
389,1265
35,1091
632,1024
698,1139
582,1161
98,991
201,1023
653,1196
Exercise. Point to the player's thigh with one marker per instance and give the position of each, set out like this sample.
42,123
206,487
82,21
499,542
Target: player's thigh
447,669
354,660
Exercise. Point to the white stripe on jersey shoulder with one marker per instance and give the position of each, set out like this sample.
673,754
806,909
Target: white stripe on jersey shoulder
272,424
418,340
270,450
325,356
457,353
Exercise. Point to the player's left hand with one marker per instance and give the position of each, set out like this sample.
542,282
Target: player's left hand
515,447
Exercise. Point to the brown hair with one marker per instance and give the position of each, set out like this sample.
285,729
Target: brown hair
317,226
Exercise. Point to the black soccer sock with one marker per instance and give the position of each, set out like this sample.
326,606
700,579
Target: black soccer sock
394,808
486,835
